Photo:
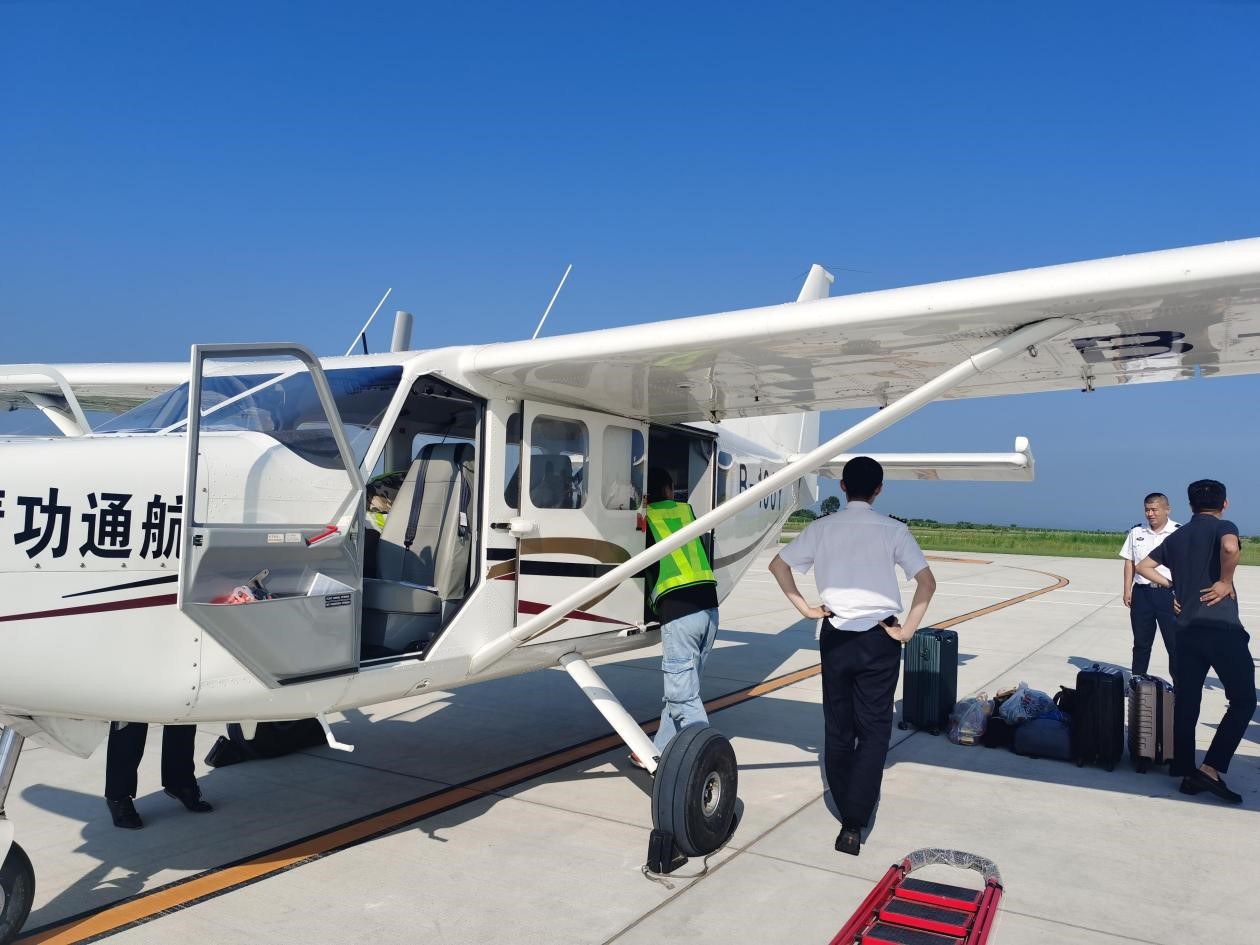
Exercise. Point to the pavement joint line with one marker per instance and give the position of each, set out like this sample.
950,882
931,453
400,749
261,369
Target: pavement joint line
1082,928
696,881
149,905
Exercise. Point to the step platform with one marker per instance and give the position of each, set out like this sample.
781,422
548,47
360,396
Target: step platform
905,910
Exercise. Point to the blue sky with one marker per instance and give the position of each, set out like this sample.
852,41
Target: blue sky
174,173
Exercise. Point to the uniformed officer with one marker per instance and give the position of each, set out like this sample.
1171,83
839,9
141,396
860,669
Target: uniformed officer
854,554
1148,604
684,597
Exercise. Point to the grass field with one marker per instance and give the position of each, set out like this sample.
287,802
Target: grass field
1031,541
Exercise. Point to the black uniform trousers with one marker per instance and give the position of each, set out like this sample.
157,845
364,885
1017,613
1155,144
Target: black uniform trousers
859,677
1224,649
1152,605
126,748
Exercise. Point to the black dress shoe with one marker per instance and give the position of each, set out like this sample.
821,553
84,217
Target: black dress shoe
849,841
1197,781
124,813
191,798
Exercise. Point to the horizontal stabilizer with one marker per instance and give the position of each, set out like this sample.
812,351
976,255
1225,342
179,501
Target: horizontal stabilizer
1016,466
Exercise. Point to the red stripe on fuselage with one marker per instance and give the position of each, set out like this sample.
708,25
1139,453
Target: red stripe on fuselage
533,607
162,600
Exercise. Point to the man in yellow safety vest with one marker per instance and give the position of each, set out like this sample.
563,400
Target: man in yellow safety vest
684,597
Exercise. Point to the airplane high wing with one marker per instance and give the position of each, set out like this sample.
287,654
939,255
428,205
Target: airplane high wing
1157,316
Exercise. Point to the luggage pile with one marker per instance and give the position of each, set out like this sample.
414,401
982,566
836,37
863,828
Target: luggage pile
1085,724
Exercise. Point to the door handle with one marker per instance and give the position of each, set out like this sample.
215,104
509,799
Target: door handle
500,526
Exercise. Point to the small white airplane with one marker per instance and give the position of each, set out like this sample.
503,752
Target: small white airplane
516,539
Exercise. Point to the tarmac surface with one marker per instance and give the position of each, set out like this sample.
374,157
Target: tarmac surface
503,812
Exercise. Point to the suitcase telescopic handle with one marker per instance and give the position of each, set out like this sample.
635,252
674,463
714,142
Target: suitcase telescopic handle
960,859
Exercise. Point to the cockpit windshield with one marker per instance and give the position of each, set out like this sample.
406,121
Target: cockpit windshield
284,406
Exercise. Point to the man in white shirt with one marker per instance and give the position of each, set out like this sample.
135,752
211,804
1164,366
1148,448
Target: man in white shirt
854,553
1149,605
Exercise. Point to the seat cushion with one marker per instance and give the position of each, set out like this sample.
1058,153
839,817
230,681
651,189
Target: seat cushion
400,597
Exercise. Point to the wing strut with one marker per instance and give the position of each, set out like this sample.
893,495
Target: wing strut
1002,350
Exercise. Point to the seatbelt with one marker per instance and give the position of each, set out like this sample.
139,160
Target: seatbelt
413,514
465,494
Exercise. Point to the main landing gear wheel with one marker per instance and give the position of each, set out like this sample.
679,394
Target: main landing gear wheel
694,793
17,892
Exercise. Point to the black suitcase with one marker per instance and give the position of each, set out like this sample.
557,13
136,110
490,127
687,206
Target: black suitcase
1098,717
930,686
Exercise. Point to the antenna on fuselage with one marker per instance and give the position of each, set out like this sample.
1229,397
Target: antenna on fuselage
552,302
362,335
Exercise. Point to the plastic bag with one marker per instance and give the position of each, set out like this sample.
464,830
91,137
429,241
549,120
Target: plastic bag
255,590
969,719
1027,704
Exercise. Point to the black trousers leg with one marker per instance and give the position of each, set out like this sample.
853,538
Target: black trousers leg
1162,598
177,756
1192,667
840,739
122,758
1142,620
1231,658
873,662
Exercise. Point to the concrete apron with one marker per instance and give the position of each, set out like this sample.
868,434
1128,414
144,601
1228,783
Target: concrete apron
1087,856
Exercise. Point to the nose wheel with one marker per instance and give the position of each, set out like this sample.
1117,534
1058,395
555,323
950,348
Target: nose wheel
693,796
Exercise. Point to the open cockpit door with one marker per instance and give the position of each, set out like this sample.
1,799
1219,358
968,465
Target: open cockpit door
580,493
272,566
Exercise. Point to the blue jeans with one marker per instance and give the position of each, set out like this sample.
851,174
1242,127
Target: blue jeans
685,643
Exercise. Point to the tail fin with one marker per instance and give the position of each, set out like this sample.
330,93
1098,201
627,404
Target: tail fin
798,432
792,433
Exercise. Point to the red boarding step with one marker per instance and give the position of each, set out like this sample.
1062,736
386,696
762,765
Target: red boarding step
905,911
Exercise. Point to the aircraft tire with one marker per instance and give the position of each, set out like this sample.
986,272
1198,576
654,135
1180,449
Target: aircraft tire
17,892
694,791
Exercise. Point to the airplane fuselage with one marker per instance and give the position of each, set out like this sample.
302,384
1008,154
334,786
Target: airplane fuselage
105,617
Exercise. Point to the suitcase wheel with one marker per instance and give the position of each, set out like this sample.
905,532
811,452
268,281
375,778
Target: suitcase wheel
934,732
1110,766
1141,766
1080,762
903,725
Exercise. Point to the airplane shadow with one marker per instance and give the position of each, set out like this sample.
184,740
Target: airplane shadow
404,751
421,746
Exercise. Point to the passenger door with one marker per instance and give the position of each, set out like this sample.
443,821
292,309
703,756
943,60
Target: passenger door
279,492
581,493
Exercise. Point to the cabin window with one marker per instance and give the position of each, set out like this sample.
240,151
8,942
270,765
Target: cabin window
512,462
622,471
284,406
558,454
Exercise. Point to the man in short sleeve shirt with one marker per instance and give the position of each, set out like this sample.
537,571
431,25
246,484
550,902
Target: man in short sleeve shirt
854,554
1202,556
1148,603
